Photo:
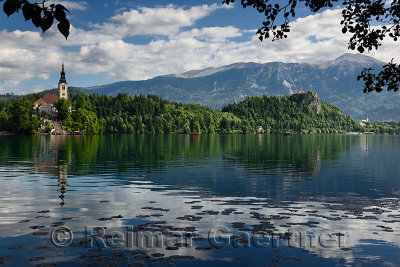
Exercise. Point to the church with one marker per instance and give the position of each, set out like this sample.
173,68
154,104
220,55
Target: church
46,104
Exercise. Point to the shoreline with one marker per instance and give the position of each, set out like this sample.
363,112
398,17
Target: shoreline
283,134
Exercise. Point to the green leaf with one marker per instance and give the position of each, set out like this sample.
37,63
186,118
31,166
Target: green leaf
27,11
36,17
64,27
59,14
10,6
47,21
61,7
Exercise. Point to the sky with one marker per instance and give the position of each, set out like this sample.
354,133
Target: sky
119,40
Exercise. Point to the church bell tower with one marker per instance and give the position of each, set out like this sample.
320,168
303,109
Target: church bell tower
62,85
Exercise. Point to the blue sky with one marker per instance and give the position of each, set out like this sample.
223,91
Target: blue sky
135,40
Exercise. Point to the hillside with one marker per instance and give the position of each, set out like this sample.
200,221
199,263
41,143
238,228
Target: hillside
296,113
334,81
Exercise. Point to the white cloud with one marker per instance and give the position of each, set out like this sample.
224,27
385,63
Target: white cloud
71,5
212,33
178,46
160,21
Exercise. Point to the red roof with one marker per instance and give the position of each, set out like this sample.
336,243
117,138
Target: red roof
50,98
39,102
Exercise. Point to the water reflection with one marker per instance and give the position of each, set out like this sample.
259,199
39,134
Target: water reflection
270,166
249,183
62,181
51,159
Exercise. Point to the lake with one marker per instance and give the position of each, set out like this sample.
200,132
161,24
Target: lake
208,200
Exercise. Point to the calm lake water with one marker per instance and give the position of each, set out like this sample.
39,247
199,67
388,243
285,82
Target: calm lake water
208,200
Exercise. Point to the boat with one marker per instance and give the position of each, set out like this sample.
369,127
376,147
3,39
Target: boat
194,133
288,134
78,133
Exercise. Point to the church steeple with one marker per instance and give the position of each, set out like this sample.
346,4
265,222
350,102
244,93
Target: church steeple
62,78
62,85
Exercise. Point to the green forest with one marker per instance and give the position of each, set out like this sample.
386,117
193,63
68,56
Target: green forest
385,127
282,114
97,114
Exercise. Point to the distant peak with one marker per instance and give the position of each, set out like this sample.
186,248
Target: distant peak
351,59
359,58
210,71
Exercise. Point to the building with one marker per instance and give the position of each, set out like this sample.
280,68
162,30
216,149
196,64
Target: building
46,104
62,85
364,122
298,92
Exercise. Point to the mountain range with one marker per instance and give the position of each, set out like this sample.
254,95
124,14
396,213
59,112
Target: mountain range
334,81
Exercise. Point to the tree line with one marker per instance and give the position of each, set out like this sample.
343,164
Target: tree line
385,127
97,114
153,115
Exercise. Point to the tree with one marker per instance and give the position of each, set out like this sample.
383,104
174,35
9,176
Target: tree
368,21
21,119
62,106
86,121
82,101
4,121
48,127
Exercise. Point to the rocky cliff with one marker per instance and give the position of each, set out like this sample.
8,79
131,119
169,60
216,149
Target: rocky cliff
308,98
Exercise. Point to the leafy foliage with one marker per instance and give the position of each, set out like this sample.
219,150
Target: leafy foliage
388,127
40,14
4,121
85,121
389,77
281,114
151,114
96,114
18,118
358,16
62,107
369,22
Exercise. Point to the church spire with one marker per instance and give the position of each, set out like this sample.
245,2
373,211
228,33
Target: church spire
62,85
62,78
